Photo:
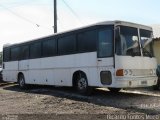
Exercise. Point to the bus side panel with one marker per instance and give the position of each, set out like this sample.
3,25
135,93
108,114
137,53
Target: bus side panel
62,77
93,77
87,63
60,67
35,76
47,77
10,71
59,70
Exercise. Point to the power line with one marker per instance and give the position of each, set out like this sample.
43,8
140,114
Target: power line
22,17
73,12
19,16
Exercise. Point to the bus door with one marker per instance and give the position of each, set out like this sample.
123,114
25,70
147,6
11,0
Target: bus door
105,59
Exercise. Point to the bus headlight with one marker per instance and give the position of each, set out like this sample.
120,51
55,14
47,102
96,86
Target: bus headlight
128,72
124,72
154,71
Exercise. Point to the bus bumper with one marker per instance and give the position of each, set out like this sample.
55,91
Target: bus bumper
135,82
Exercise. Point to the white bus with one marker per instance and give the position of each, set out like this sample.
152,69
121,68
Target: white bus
111,54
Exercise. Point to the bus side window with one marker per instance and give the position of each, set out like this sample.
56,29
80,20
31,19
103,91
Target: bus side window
87,41
24,53
67,45
15,53
35,50
105,47
6,55
49,48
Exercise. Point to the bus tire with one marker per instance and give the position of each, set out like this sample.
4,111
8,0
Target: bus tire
114,90
82,85
21,82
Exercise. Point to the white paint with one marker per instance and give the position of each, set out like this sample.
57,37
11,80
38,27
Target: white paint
59,70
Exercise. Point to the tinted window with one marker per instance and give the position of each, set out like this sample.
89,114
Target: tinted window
67,45
49,48
6,55
87,41
15,53
24,52
35,50
105,43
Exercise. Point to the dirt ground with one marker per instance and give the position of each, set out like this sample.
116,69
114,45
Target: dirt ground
43,102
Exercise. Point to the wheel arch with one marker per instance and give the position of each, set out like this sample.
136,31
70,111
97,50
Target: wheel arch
20,73
76,74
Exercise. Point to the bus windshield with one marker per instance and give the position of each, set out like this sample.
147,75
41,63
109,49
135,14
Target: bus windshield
146,42
128,42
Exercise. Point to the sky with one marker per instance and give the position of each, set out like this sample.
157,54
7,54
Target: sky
22,20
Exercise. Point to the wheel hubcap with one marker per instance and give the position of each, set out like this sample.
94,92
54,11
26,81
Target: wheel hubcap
82,84
21,82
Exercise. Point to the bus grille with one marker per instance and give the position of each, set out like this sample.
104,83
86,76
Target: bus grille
142,72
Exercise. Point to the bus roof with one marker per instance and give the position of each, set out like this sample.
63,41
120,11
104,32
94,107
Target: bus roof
116,22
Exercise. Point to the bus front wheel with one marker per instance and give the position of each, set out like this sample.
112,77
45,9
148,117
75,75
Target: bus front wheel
21,81
82,85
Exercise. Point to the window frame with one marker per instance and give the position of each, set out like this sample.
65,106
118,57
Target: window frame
75,44
84,31
36,42
18,56
113,41
28,57
139,45
75,33
42,48
4,53
152,54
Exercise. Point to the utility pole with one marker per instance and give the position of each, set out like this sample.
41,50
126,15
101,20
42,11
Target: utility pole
55,16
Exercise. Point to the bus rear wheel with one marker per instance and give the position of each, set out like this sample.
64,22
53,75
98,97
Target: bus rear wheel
114,90
21,81
82,85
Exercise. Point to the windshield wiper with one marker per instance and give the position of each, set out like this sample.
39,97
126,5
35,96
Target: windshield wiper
148,41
